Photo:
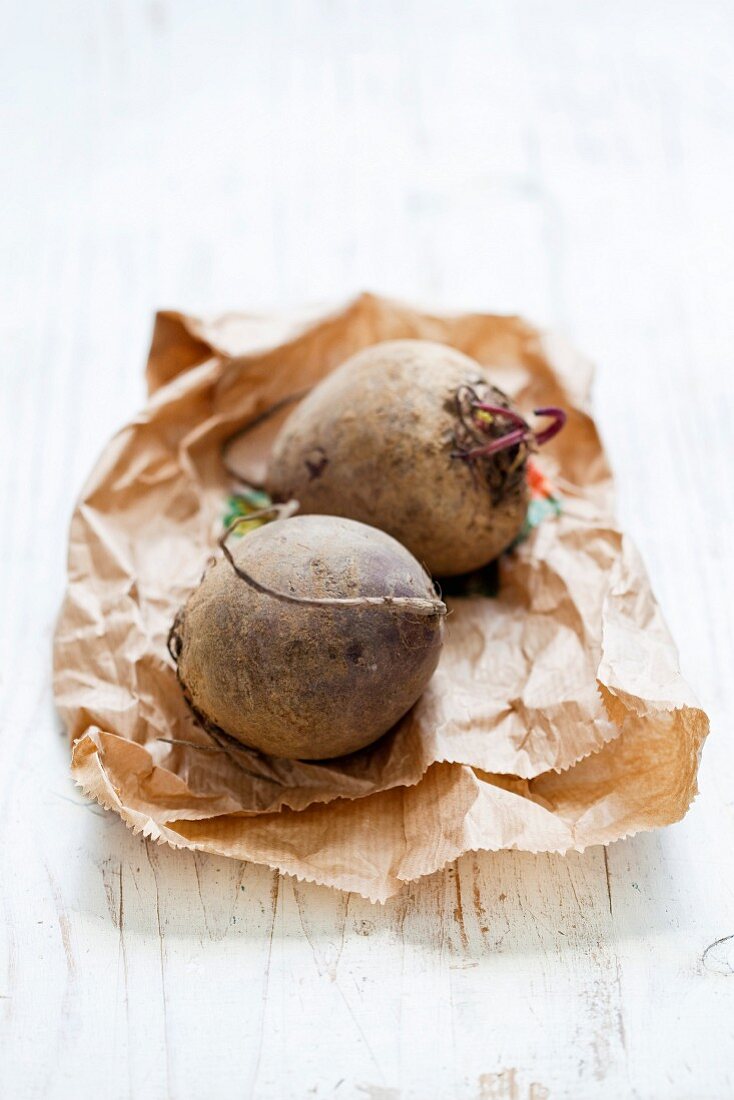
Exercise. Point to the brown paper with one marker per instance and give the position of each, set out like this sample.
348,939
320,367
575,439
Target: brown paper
557,717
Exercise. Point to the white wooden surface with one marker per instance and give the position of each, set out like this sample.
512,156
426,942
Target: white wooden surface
570,160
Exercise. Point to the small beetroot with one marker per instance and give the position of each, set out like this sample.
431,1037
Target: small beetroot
412,437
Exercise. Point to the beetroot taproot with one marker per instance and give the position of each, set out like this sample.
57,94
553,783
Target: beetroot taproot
412,437
310,639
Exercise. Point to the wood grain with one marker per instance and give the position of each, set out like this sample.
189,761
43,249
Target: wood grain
570,161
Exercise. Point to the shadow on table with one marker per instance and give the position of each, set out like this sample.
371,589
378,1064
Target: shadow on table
484,903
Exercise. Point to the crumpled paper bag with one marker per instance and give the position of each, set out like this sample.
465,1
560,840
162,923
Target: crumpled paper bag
557,717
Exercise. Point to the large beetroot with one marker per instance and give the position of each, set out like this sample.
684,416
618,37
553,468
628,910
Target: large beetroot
412,437
310,639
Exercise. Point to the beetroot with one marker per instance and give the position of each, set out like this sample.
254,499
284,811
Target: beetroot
310,639
412,437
